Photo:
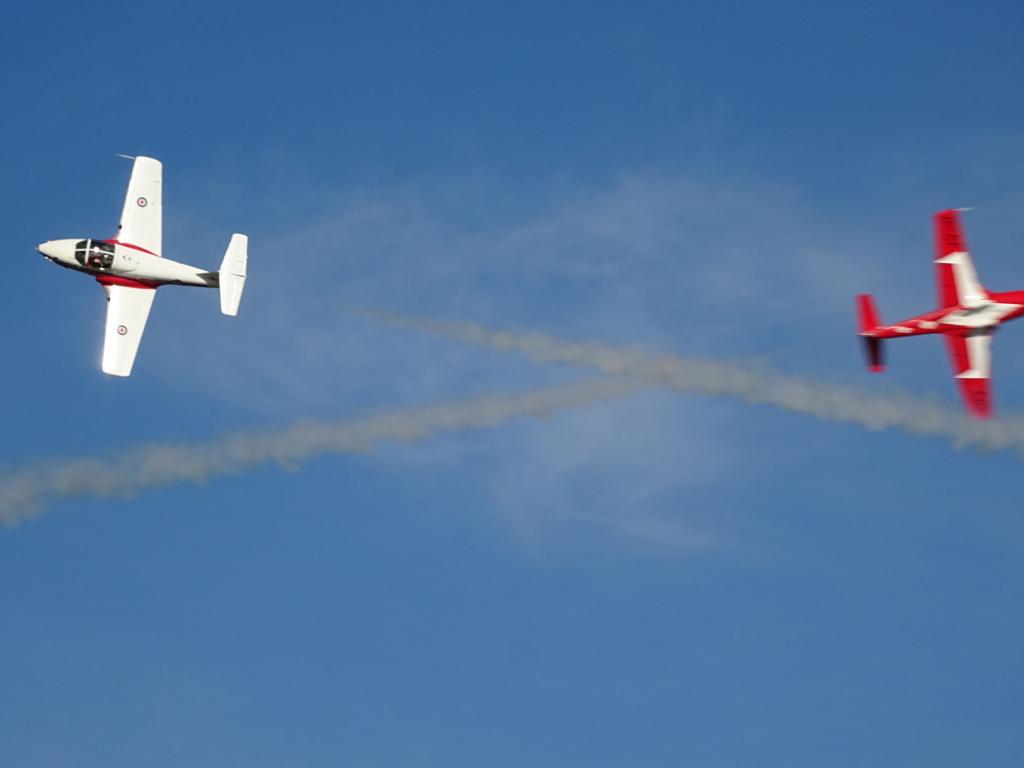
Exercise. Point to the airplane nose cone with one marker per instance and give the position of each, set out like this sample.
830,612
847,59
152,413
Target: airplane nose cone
56,250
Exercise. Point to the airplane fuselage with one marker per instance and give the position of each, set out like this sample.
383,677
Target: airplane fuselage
1001,308
112,259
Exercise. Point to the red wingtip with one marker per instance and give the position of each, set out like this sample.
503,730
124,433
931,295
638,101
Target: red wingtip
981,413
977,397
949,237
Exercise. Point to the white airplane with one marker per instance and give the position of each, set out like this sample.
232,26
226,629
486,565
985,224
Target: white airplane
130,266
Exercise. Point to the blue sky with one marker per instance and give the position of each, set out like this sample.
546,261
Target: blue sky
657,580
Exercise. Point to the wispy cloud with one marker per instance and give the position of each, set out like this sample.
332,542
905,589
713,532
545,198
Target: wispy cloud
641,255
632,470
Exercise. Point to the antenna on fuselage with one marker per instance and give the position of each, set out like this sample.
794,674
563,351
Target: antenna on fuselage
958,210
126,157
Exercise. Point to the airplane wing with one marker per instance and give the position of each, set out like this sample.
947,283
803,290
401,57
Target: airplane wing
971,357
957,281
142,216
127,311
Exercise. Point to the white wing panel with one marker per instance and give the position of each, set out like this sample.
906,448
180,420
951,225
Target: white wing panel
127,312
142,215
979,356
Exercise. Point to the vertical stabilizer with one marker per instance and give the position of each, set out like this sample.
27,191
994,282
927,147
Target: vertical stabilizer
867,323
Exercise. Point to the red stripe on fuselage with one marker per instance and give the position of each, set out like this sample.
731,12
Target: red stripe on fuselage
133,247
127,282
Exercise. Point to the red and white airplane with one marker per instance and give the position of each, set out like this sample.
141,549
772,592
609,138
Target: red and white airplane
967,317
130,266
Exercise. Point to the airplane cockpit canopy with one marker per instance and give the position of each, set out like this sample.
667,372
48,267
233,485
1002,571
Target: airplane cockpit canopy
94,254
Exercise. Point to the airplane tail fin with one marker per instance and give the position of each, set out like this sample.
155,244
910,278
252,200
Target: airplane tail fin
232,274
867,316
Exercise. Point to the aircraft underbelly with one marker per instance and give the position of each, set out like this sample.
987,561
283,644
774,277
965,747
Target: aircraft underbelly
166,271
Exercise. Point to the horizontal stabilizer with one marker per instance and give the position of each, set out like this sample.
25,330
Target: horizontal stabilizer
232,274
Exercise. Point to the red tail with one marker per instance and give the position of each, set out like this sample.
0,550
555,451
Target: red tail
867,317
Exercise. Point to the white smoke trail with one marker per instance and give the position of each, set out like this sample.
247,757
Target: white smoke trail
25,492
750,382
